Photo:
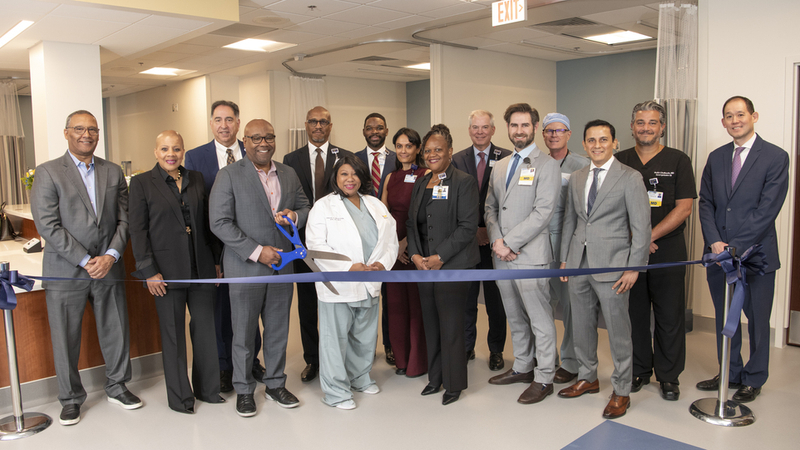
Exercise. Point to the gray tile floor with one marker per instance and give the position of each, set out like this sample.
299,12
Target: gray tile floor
399,418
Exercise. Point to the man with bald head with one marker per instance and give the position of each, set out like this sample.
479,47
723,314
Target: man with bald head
80,206
171,240
248,198
314,166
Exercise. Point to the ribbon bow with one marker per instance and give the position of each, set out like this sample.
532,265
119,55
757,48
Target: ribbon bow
10,278
736,273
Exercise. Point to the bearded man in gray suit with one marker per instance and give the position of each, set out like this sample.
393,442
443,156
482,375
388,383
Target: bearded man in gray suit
80,206
606,224
248,198
523,191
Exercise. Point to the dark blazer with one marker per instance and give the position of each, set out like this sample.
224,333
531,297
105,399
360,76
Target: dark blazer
65,219
745,215
158,229
204,160
389,166
465,161
299,161
453,223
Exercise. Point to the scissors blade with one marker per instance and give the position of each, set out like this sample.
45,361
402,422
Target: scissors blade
327,255
315,268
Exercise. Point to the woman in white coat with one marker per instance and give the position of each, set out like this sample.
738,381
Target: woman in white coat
351,222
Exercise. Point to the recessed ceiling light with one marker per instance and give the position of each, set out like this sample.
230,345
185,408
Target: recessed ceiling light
167,71
14,32
259,45
618,37
420,66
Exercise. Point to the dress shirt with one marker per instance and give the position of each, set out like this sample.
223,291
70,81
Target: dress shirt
485,153
600,177
222,153
524,153
382,152
89,181
312,155
747,146
272,187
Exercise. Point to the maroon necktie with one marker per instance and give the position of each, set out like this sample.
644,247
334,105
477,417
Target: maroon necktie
737,165
376,173
481,169
319,176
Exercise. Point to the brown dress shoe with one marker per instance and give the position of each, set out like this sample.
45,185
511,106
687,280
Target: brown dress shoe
616,407
510,377
535,393
580,388
563,376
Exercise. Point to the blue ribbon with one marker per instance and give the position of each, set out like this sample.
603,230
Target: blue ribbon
735,269
410,276
9,279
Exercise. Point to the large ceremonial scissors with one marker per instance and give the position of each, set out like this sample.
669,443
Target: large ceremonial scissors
308,256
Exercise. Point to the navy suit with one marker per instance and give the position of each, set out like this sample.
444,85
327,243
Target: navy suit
204,160
496,338
744,215
389,165
300,161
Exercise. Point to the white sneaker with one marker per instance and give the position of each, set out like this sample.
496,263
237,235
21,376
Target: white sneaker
347,405
372,389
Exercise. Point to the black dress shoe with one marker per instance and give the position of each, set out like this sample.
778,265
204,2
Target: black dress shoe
309,373
713,384
470,355
430,390
126,400
670,391
400,372
638,382
389,356
282,395
214,399
746,394
225,381
258,371
245,405
189,410
70,414
496,361
450,397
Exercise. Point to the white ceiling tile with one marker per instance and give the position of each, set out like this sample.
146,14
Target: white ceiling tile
476,41
418,54
187,49
88,12
173,22
76,30
325,26
212,40
456,9
274,19
626,15
403,22
361,32
29,10
321,7
294,37
259,3
516,34
367,15
137,37
415,6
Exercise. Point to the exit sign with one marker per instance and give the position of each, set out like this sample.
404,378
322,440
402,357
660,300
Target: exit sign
509,11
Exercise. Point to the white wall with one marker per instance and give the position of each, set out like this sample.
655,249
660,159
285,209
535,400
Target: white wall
466,80
139,117
747,49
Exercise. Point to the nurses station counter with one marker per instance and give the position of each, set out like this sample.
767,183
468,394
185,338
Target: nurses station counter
34,349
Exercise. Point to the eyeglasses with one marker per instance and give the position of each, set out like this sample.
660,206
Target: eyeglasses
257,139
558,131
93,131
314,122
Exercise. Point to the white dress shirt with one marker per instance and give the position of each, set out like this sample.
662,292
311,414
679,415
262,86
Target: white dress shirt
600,177
222,153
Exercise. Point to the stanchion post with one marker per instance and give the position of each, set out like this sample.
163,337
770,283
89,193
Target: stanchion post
720,410
20,424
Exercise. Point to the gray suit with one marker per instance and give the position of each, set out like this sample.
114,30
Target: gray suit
559,291
68,224
242,219
616,234
521,216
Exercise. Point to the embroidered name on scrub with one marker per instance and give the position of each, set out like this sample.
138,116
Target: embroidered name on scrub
656,198
526,176
439,192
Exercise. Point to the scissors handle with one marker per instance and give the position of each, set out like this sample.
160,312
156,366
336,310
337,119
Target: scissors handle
299,251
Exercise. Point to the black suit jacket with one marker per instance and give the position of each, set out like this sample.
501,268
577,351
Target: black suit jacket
300,161
452,222
465,161
158,229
